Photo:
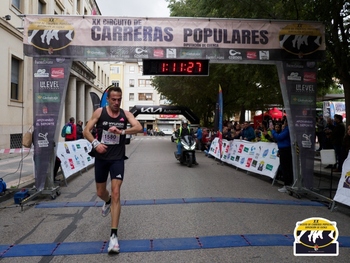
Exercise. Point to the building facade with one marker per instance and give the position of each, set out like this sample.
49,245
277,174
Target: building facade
16,100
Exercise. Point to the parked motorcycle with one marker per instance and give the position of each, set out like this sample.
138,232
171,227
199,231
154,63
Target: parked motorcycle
188,146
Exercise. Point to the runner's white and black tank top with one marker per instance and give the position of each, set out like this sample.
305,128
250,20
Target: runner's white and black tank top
115,142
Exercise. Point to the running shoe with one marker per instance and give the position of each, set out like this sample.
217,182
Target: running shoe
113,246
282,190
106,209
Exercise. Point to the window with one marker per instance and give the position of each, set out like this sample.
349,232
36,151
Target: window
131,83
131,69
115,83
144,82
145,96
131,96
115,70
41,7
140,69
15,79
17,4
15,140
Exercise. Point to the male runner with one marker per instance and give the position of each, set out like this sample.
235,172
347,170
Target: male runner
111,124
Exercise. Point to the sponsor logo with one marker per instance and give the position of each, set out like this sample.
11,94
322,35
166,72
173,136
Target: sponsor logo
300,39
269,167
316,236
310,76
249,161
57,73
294,64
306,143
158,53
294,76
171,52
304,88
59,36
49,84
41,73
302,100
311,64
141,53
234,55
261,166
264,55
252,55
214,54
43,61
346,183
190,53
43,142
116,52
47,97
95,52
265,153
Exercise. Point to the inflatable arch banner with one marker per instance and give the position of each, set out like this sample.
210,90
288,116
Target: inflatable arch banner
293,46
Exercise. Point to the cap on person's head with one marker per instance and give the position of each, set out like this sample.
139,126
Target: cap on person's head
184,122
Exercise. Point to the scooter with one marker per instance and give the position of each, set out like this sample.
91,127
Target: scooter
188,146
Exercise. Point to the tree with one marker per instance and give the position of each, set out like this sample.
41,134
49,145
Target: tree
335,14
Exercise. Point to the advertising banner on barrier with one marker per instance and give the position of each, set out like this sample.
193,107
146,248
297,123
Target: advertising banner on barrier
343,192
256,157
50,82
217,39
74,156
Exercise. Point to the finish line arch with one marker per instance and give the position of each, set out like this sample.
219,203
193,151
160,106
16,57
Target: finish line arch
54,41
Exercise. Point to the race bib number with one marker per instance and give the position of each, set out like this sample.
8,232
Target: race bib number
109,138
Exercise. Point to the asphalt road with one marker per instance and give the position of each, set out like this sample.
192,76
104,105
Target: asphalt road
170,213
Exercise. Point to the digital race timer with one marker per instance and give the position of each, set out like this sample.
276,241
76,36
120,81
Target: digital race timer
176,67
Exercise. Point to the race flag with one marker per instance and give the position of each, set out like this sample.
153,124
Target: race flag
219,117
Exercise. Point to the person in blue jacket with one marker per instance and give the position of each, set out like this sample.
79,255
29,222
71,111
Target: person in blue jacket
248,133
285,154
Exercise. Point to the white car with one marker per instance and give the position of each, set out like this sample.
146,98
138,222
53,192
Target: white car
166,131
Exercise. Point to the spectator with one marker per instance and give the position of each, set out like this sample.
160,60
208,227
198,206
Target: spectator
248,132
265,133
80,130
226,133
320,126
73,135
238,130
285,155
337,136
199,138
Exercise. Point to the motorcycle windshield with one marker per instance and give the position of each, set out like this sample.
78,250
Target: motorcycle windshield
188,139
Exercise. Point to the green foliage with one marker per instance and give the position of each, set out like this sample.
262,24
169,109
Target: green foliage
239,82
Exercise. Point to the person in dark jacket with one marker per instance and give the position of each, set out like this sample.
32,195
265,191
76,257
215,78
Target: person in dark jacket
285,154
248,132
80,130
337,136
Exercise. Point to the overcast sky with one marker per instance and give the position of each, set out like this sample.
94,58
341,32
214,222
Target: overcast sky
134,8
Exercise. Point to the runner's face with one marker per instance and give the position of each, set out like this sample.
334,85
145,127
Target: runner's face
114,100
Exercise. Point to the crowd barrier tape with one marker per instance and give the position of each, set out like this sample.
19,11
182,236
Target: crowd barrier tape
16,150
74,156
257,157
